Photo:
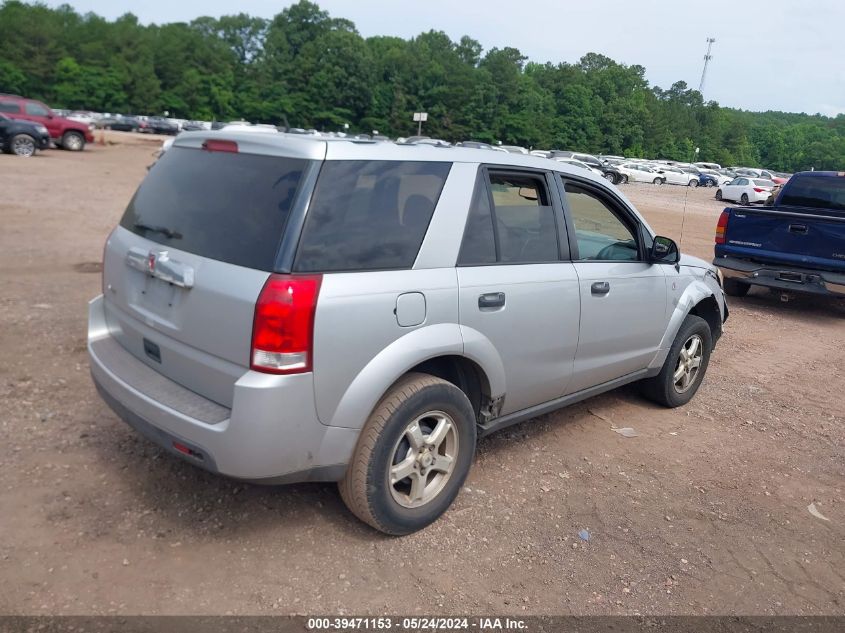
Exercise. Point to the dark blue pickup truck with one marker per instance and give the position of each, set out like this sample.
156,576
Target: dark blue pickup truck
796,244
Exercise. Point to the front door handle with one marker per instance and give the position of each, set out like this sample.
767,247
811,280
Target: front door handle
800,229
491,300
600,287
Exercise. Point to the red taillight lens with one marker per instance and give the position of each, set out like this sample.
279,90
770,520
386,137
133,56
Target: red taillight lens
283,328
220,146
759,189
721,227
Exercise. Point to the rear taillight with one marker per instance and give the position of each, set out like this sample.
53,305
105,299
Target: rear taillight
283,328
759,189
722,227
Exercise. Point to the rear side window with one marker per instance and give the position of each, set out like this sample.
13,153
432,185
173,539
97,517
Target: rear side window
225,206
9,106
369,215
815,192
525,222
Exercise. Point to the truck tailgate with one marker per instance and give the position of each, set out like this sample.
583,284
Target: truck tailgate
786,236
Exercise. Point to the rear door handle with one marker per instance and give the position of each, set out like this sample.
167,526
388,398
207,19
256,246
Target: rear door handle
600,287
491,300
800,229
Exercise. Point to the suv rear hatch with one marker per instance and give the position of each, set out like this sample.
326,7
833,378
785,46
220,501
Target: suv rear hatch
196,244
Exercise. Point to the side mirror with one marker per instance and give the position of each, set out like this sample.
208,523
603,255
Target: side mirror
664,251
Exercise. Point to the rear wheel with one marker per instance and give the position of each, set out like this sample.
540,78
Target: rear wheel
73,141
412,457
735,288
718,194
610,177
623,179
744,198
685,365
693,183
22,145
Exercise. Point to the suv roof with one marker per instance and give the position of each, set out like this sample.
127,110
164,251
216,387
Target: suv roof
335,148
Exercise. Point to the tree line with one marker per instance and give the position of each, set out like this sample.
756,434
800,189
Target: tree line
314,70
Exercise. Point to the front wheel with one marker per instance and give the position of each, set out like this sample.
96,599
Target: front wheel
685,365
744,198
693,183
610,177
623,179
22,145
73,141
412,457
718,194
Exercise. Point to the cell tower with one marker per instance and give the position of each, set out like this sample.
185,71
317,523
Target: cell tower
707,58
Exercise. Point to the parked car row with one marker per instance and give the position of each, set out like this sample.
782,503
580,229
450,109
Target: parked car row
66,133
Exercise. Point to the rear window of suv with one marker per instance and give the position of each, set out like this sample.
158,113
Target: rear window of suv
369,215
815,192
224,206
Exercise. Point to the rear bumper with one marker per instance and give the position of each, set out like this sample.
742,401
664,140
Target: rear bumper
785,277
271,435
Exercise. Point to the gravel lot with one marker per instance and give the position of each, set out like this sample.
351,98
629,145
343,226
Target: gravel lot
706,512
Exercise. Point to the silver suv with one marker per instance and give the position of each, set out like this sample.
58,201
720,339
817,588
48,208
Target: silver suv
284,309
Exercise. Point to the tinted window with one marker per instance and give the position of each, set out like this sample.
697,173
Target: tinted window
816,192
369,215
525,221
229,207
9,106
36,109
600,232
479,243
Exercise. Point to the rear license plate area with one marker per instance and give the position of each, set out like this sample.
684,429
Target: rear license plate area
796,278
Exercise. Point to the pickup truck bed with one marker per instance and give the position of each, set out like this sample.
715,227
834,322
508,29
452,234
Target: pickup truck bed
797,244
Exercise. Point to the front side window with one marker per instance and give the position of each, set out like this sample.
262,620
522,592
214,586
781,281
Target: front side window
369,215
601,234
36,109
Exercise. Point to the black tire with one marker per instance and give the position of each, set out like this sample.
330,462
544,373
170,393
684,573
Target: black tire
73,141
693,183
734,288
366,487
22,145
718,194
610,177
744,198
623,179
662,388
657,181
709,183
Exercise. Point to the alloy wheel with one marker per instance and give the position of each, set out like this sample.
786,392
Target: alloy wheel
689,363
423,459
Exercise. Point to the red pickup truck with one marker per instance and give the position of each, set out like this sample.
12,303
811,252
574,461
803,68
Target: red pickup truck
71,135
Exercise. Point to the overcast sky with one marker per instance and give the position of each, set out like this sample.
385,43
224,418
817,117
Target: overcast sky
771,55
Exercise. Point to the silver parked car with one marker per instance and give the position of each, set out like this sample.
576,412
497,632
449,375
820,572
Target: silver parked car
282,308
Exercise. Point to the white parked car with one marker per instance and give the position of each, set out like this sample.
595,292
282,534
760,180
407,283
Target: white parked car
639,172
581,164
746,190
677,176
713,166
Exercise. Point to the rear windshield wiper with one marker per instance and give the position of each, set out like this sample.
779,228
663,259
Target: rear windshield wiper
168,233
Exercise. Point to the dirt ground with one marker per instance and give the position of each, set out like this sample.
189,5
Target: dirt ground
706,512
